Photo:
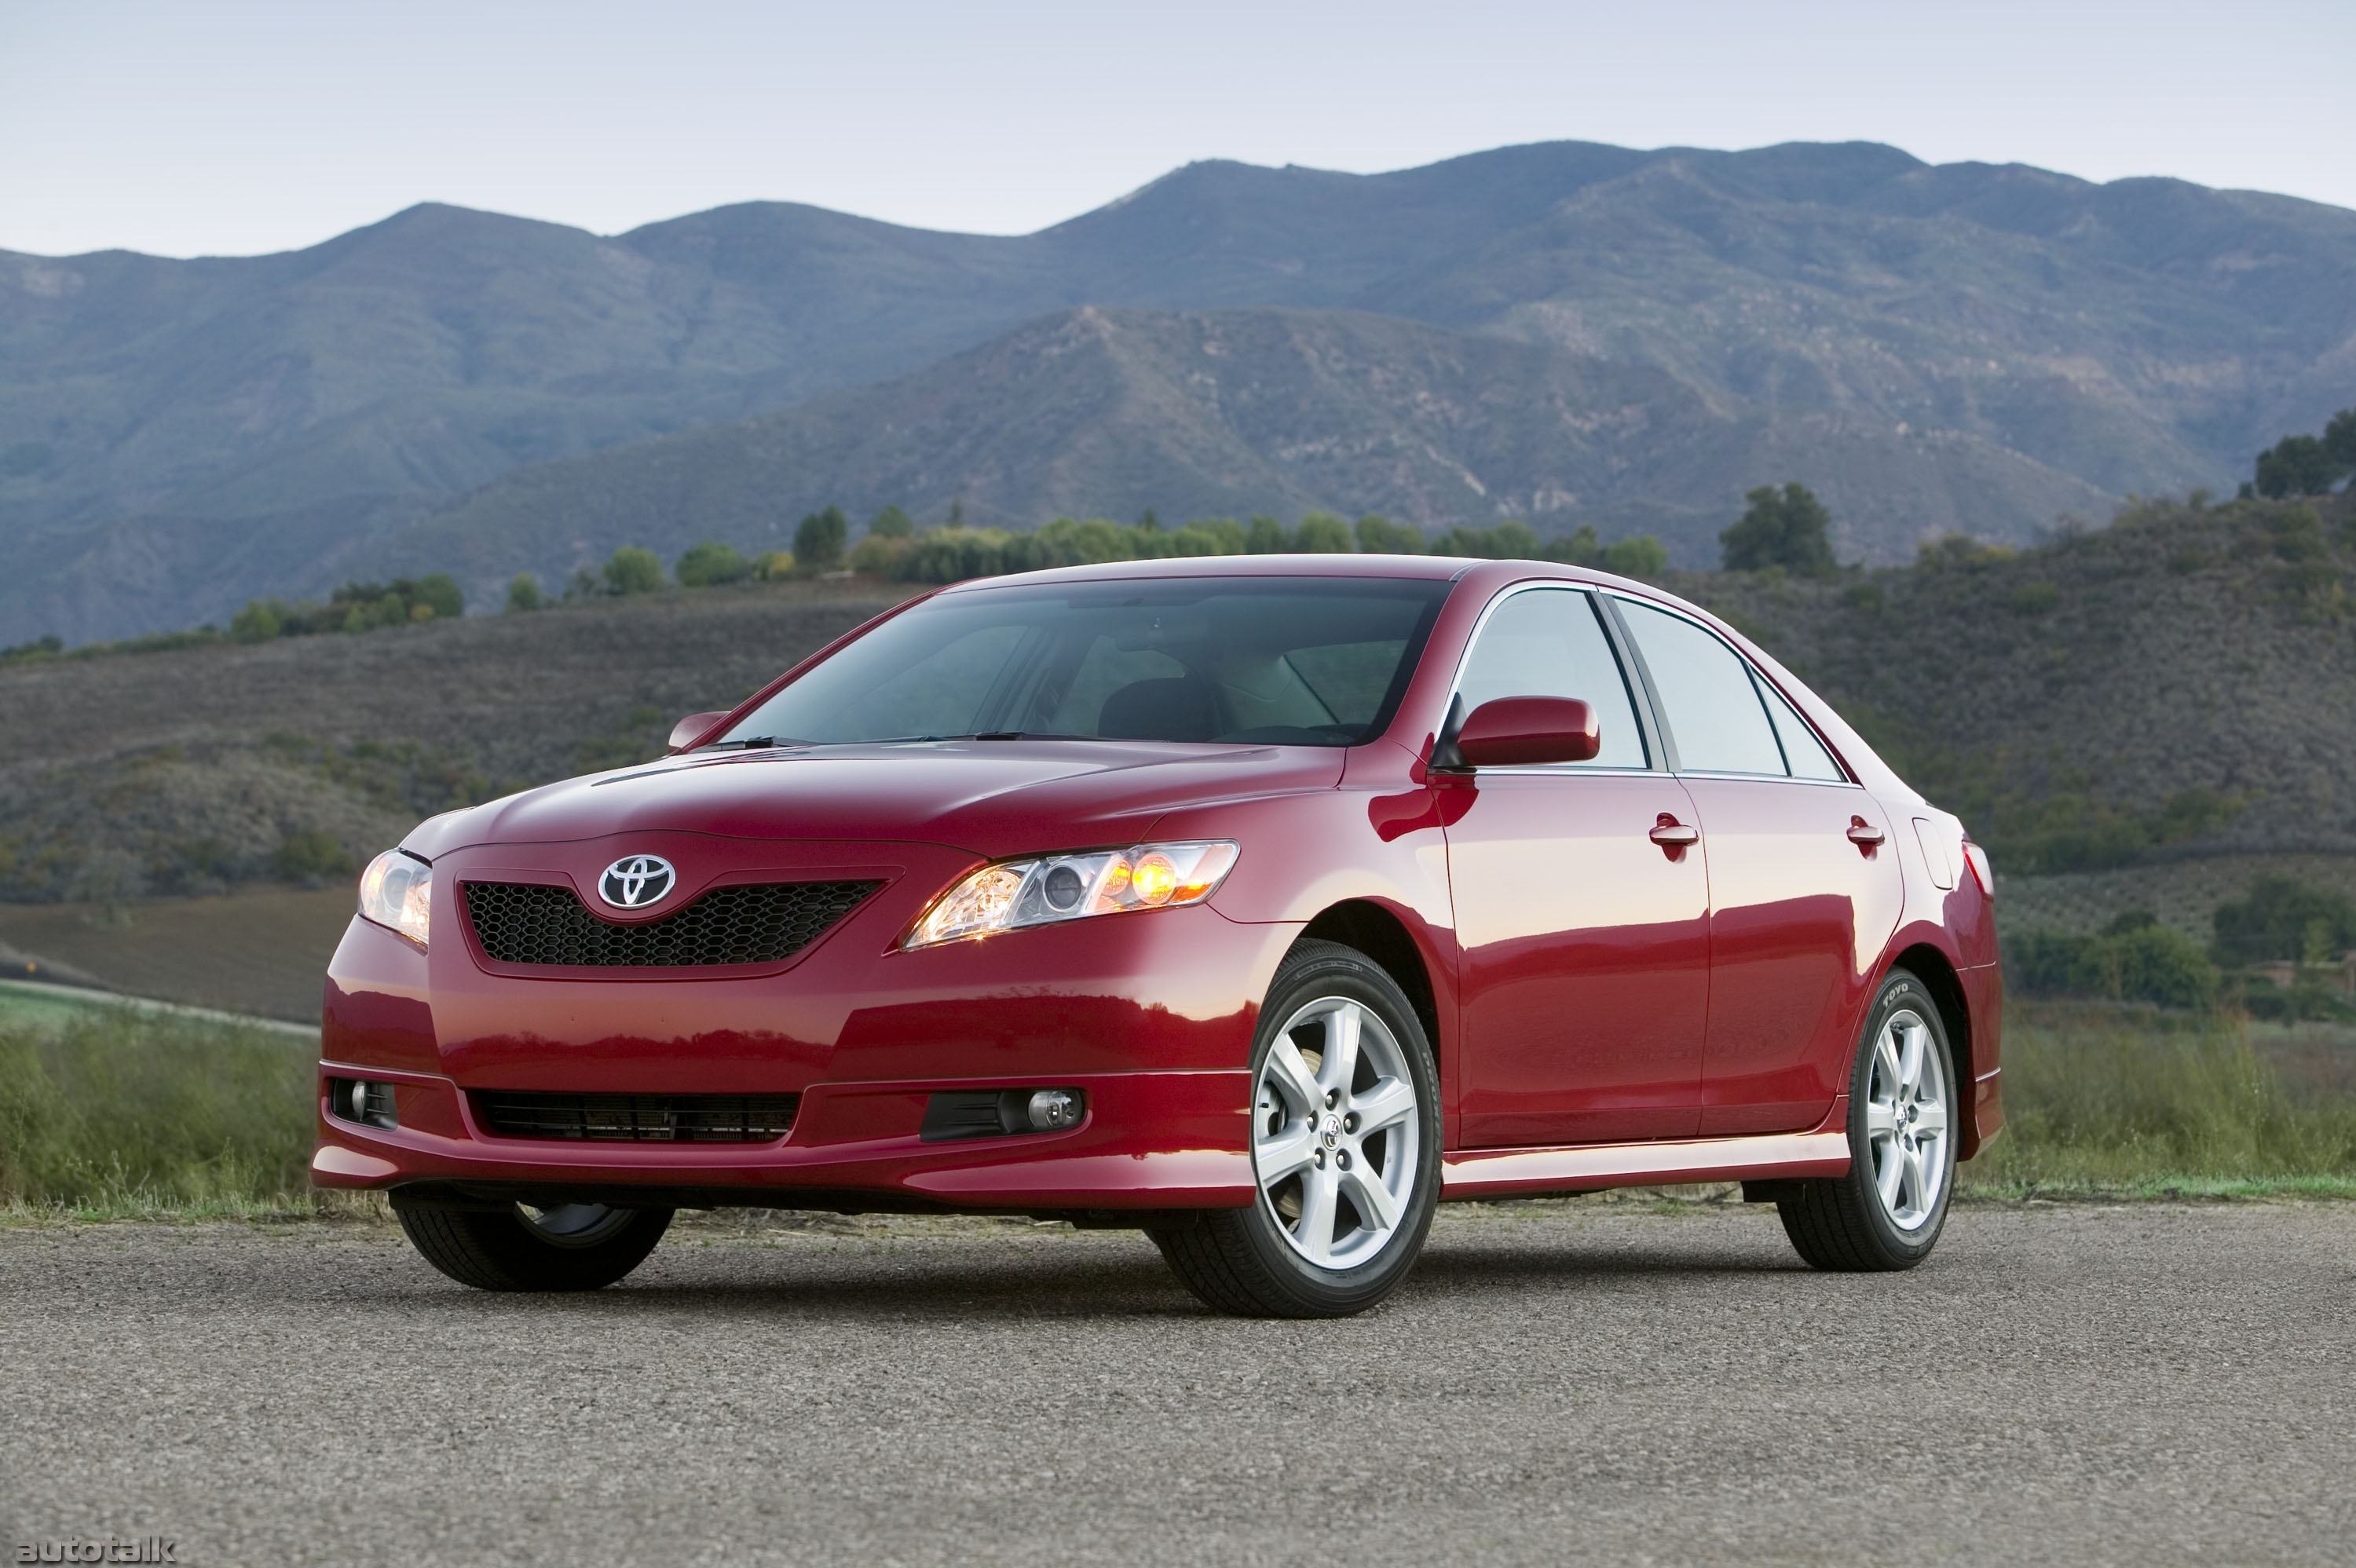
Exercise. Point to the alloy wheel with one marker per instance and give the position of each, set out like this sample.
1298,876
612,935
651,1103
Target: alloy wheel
1336,1140
1906,1120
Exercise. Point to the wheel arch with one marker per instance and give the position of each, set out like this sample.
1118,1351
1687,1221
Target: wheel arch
1383,936
1937,973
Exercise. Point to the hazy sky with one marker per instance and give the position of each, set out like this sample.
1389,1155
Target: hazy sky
236,127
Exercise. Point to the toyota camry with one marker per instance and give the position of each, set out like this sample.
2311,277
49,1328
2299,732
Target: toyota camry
1261,904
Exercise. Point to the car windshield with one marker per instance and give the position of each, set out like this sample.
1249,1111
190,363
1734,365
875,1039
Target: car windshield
1297,661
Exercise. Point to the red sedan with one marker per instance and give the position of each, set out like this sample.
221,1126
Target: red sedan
1259,902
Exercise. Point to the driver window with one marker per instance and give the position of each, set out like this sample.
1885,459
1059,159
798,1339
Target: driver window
1546,641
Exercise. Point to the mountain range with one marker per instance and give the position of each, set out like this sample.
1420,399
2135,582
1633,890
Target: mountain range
1565,332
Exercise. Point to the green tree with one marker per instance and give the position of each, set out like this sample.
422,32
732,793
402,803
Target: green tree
2340,440
631,570
524,594
710,562
1638,555
2282,917
1789,528
1509,541
1323,533
1379,535
891,523
1268,535
2297,466
257,623
439,593
819,541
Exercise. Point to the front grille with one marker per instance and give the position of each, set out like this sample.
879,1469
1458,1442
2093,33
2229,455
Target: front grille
527,922
639,1118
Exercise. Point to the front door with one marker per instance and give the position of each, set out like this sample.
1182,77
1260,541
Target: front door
1585,941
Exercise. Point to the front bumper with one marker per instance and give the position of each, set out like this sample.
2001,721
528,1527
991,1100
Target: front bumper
1151,1015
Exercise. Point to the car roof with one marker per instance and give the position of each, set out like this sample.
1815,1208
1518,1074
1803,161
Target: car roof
1423,567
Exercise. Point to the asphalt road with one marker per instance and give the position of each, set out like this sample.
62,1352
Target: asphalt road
1561,1382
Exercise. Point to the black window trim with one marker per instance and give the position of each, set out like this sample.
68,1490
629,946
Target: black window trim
1611,596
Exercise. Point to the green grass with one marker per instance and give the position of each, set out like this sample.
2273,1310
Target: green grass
112,1112
120,1111
2137,1102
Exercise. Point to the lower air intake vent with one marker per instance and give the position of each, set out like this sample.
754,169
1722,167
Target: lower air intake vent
526,922
639,1118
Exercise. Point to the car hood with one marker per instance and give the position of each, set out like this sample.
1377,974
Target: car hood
989,797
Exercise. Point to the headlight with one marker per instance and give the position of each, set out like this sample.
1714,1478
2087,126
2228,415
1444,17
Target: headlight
1069,886
397,892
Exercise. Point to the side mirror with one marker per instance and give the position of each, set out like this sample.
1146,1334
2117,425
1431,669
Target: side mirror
1515,731
693,728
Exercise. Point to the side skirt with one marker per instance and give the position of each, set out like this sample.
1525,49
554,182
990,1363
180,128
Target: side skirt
1592,1168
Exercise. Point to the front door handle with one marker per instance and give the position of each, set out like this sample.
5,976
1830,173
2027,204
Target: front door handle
1864,834
1671,834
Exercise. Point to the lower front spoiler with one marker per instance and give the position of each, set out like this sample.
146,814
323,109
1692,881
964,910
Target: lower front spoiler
1149,1140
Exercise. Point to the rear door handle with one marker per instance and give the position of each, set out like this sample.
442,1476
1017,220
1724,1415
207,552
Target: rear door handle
1864,834
1671,834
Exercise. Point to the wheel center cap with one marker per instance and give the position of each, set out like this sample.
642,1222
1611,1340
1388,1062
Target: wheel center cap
1330,1134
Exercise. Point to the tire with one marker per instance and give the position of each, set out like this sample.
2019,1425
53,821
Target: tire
1352,1126
578,1246
1888,1211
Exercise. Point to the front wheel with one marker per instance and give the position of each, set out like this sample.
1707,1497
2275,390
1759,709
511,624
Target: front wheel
1344,1147
1887,1212
573,1246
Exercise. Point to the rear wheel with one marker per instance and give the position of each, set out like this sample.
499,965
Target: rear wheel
1888,1211
573,1246
1344,1147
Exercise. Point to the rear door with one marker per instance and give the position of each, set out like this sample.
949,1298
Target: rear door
1585,942
1804,880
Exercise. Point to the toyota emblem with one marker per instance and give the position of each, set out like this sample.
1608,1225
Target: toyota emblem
634,881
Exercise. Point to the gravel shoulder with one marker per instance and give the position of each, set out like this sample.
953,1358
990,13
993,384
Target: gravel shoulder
1562,1381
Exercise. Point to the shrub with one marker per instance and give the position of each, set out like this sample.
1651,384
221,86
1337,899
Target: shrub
631,570
772,566
818,540
891,523
313,852
524,594
709,563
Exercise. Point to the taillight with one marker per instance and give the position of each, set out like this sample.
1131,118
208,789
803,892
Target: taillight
1982,872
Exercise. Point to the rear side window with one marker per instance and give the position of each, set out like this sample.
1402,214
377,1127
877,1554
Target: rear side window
1712,711
1802,751
1546,641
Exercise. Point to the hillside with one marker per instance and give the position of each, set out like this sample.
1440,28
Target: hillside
2177,684
1233,413
177,436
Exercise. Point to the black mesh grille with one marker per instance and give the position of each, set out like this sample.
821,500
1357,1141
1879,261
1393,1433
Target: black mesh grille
639,1118
522,922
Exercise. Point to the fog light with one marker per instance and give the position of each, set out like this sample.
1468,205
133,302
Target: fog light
357,1100
1053,1110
